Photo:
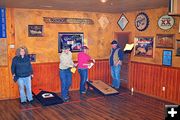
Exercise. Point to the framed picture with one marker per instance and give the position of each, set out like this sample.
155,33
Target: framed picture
122,22
32,57
179,26
165,41
35,30
142,21
177,47
73,39
167,58
166,22
144,46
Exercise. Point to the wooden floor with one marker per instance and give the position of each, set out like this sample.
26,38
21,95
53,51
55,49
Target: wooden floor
92,106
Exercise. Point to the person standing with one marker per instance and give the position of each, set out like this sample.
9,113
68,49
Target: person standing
66,63
22,72
83,64
115,59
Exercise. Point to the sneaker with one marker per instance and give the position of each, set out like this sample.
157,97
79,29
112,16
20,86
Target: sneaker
23,103
83,92
31,101
66,100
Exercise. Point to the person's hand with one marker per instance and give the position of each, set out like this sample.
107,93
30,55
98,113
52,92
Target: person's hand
118,63
93,60
32,76
75,64
90,65
13,76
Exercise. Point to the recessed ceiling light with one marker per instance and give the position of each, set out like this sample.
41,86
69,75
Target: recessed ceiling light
46,6
103,1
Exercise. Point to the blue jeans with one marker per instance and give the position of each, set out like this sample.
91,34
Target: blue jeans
115,73
25,82
84,77
66,80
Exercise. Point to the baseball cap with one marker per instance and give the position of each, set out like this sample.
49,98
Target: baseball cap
114,42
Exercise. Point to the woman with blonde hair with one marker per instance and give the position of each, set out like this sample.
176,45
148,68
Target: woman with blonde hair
22,72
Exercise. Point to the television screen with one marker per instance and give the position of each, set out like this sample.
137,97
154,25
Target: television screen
74,40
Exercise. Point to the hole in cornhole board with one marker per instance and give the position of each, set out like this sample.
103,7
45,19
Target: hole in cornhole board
101,87
47,98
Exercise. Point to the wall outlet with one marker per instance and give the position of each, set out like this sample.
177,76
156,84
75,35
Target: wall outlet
163,88
12,46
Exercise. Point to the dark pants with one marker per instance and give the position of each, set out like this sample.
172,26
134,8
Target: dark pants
84,77
66,80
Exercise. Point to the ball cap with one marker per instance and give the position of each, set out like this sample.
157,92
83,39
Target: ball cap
65,47
84,47
114,42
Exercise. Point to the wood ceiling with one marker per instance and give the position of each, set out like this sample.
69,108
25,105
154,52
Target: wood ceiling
111,6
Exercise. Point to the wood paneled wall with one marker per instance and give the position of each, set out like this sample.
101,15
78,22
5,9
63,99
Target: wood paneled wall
46,76
150,79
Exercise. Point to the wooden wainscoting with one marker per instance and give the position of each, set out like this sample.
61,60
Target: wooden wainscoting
46,75
150,79
4,83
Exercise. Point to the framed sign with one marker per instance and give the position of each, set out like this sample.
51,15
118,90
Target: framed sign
3,52
166,22
122,22
35,30
142,21
167,58
32,57
165,41
144,46
56,20
177,47
3,23
103,21
73,39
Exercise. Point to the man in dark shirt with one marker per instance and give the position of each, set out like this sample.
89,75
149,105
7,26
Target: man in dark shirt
116,58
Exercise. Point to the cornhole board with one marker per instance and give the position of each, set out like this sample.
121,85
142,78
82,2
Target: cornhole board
102,87
47,98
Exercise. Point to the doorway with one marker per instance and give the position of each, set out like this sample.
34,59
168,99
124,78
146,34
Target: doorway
123,39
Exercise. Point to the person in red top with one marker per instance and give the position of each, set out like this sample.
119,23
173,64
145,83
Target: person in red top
83,64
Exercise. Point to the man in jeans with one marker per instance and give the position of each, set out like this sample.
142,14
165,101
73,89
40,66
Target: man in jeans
116,58
66,63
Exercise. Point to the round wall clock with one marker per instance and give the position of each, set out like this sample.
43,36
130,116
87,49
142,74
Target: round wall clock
142,21
166,22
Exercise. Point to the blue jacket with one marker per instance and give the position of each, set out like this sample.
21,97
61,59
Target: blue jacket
21,67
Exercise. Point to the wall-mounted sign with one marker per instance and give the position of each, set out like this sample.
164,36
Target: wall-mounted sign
32,57
73,39
166,22
165,41
2,23
122,22
103,21
35,30
177,47
144,46
167,58
67,20
142,21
